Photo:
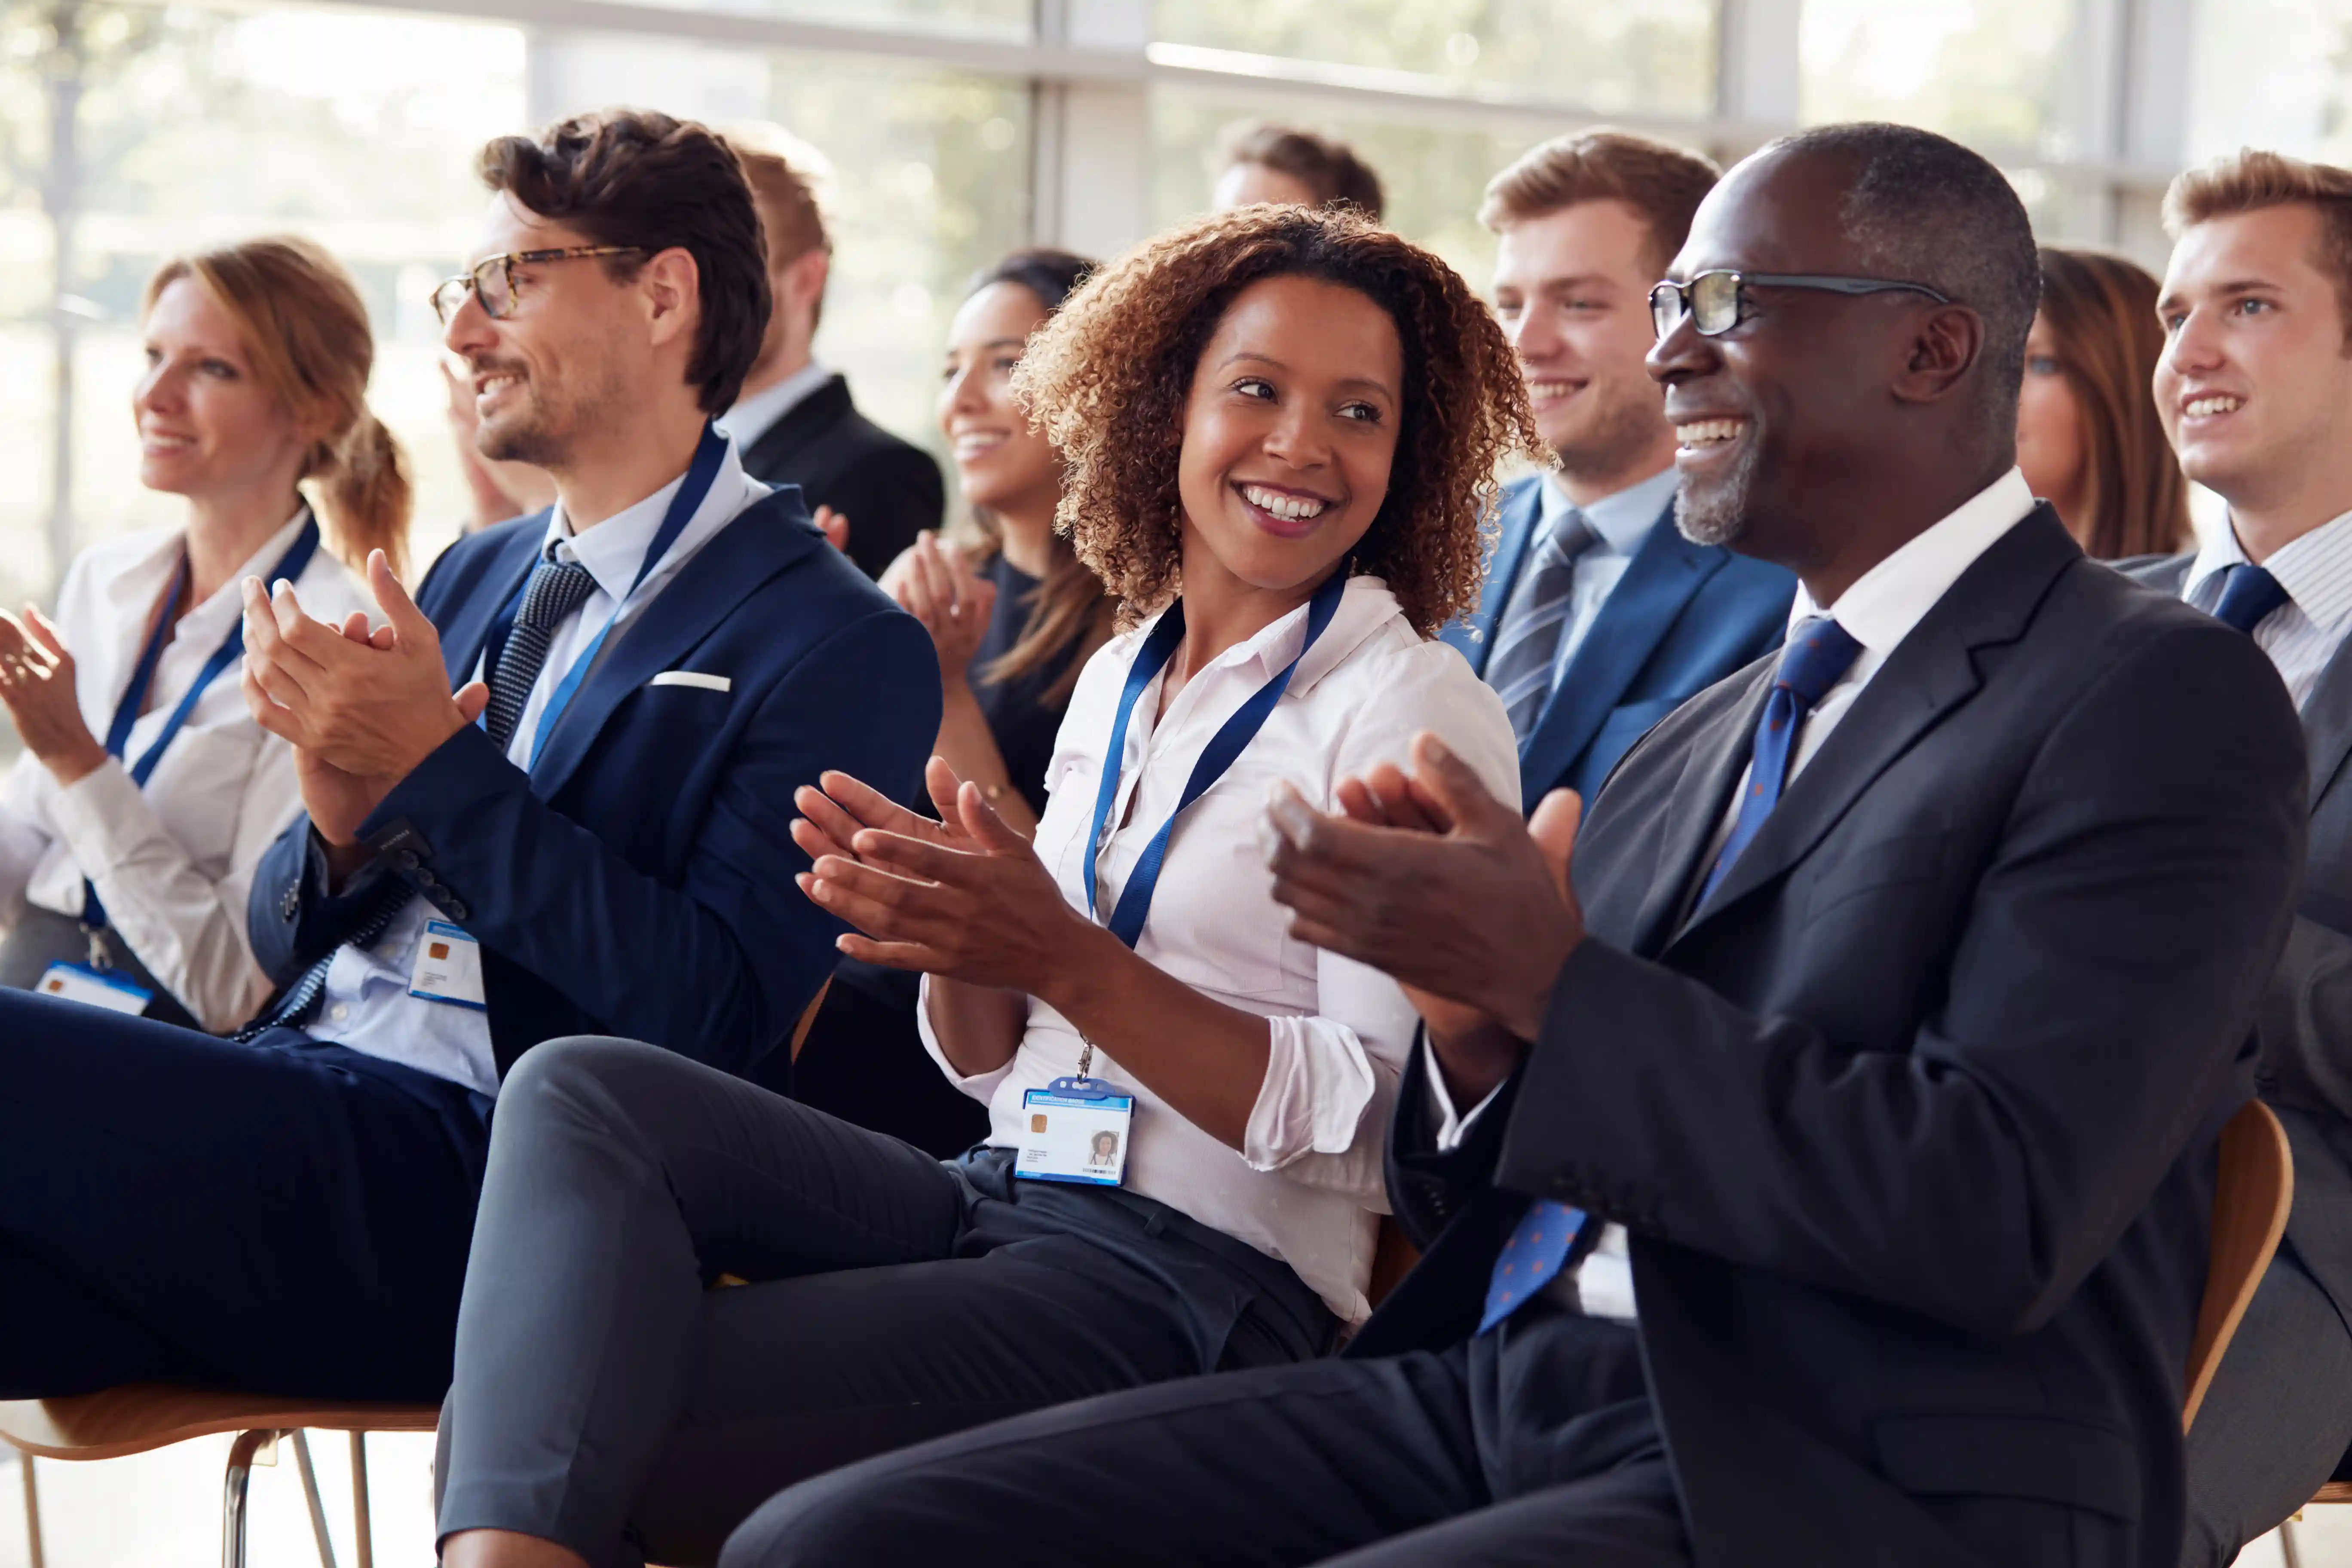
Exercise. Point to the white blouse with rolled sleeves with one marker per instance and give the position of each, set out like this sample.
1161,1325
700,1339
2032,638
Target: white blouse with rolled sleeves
1306,1186
171,863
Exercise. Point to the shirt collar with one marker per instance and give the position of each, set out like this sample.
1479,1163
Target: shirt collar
1621,520
614,549
137,588
2312,569
756,413
1366,606
1886,602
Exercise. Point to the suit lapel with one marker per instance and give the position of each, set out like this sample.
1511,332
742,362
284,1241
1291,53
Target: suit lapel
761,542
1663,575
1932,671
2327,720
1695,809
463,639
1521,510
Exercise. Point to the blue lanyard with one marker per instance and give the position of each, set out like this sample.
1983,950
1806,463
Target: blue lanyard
1228,743
290,567
699,474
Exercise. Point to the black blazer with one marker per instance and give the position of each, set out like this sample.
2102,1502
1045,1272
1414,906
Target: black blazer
1913,1122
889,489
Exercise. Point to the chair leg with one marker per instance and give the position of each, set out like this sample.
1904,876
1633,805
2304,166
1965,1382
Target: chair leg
233,1490
362,1525
310,1495
33,1553
2286,1545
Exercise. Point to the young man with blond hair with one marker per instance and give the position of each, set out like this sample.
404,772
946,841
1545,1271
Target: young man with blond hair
795,420
2255,392
1599,616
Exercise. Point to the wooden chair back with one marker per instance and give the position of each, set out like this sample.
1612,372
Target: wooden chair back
2251,1197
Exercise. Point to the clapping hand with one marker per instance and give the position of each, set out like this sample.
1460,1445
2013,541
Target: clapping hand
361,710
36,684
937,586
965,897
1430,879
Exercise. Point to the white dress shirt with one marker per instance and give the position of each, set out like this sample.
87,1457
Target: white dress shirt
171,863
1306,1186
756,413
366,1004
2301,634
1878,611
1619,524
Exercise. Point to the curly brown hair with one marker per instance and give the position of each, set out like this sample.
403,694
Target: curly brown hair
1109,376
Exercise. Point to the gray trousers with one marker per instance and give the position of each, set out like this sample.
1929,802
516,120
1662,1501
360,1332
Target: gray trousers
607,1398
2277,1419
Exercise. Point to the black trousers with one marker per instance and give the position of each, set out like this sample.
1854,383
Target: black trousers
284,1216
609,1399
1534,1446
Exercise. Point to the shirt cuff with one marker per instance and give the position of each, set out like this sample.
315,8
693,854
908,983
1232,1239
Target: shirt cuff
1452,1127
1318,1084
982,1087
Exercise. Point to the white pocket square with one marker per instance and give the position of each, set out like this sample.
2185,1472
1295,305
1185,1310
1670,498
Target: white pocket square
692,678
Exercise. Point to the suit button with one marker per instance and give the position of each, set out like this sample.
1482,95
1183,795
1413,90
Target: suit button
406,859
289,903
426,880
455,911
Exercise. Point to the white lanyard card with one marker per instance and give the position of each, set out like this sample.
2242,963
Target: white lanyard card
1075,1130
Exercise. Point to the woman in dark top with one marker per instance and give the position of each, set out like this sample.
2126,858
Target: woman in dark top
1014,615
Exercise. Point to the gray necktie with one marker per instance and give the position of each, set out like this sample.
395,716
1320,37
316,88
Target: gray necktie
1528,645
556,589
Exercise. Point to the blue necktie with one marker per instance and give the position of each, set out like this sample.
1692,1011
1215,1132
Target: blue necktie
1528,643
1531,1260
2249,593
1817,656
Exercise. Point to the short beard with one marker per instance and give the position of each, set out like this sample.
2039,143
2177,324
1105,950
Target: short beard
1722,517
524,444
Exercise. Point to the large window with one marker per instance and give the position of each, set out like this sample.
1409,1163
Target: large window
2272,73
1988,72
200,127
1657,56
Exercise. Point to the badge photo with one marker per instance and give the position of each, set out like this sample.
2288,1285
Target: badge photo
1072,1137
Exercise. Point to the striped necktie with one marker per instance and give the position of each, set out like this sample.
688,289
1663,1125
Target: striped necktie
558,588
1521,670
299,1003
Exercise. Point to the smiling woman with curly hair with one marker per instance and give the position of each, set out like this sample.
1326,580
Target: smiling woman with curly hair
1111,376
1291,419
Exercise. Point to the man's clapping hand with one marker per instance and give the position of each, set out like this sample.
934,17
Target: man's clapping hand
1430,879
361,709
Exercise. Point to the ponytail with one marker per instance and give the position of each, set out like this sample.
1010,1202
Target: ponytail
366,495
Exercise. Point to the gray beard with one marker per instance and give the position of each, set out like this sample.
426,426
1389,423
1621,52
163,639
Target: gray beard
1722,517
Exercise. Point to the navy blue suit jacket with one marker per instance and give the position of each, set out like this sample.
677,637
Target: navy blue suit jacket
638,882
1682,617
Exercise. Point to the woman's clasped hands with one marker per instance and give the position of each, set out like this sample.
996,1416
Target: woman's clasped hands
965,897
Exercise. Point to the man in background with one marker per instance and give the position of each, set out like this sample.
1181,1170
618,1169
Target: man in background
1599,617
1268,162
795,421
2255,392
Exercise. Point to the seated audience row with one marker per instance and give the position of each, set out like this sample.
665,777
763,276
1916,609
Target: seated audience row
1230,931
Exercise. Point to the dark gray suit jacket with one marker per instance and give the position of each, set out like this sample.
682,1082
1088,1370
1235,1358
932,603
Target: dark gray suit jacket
2306,1019
1912,1122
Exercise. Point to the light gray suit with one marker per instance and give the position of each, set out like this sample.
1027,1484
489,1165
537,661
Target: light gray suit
2278,1419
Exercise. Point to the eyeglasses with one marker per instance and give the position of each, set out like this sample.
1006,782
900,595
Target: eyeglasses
1718,301
492,280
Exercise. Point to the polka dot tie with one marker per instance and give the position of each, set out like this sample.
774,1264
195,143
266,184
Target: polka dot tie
1531,1260
1819,654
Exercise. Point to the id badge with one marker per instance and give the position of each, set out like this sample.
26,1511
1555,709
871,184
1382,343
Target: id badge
448,967
99,987
1075,1130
